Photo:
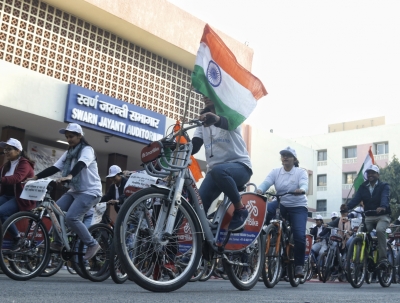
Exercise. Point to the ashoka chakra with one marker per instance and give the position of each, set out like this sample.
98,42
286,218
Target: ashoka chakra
213,74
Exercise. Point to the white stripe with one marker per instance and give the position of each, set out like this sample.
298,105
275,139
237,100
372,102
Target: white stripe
366,165
232,93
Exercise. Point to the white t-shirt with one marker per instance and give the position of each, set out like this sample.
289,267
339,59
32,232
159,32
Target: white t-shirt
225,146
287,181
90,179
12,168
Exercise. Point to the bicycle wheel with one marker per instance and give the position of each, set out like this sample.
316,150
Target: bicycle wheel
307,271
246,277
356,263
273,266
97,268
385,273
209,271
150,260
199,272
54,265
33,253
117,273
326,261
290,266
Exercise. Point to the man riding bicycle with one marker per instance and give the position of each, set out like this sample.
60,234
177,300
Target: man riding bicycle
375,195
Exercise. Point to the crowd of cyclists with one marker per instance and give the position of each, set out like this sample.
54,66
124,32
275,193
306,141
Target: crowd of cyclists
229,169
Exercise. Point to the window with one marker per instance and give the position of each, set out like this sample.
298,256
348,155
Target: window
321,205
381,148
322,154
350,152
321,180
349,178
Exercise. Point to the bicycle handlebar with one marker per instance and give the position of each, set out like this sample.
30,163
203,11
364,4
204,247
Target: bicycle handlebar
288,193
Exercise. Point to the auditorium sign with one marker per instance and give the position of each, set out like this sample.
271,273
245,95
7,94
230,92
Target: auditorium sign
115,117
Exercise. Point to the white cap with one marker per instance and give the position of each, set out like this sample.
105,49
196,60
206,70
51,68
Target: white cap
371,167
114,170
388,231
12,142
289,150
318,217
334,214
72,127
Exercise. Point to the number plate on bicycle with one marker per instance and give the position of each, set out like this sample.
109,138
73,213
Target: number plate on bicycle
151,152
336,238
257,208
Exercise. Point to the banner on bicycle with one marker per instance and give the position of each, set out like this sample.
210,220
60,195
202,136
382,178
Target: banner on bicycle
138,180
35,190
257,207
309,239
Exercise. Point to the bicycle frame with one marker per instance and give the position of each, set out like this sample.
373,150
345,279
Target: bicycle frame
178,176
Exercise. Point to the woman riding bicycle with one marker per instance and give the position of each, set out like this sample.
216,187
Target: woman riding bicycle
290,178
78,165
228,162
17,168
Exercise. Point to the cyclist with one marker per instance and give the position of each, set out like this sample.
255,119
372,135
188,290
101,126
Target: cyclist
290,178
79,166
115,194
334,216
319,245
375,195
228,161
17,168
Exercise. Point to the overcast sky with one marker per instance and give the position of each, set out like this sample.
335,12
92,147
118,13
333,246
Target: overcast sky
322,62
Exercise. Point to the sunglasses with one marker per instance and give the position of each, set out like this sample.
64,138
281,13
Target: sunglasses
287,155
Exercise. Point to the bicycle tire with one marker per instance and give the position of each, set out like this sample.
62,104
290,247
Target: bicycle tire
273,266
385,275
97,268
27,262
160,258
209,271
255,255
326,259
356,268
307,270
51,270
290,266
117,273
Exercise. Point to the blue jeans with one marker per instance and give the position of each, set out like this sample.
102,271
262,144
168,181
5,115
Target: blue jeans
76,206
224,178
298,221
8,207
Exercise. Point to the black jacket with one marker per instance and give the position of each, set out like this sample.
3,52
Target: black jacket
379,198
314,232
110,195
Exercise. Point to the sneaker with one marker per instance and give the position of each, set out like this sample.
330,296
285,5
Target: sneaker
245,276
298,272
55,246
16,246
91,251
239,219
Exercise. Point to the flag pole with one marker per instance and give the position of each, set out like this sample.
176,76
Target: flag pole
352,186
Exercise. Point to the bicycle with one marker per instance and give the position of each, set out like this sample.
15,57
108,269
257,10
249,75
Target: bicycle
394,240
32,256
279,251
362,259
332,256
174,224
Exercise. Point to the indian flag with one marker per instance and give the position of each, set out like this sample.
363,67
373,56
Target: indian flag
369,160
218,75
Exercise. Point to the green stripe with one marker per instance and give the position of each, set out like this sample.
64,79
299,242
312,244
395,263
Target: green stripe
200,83
359,179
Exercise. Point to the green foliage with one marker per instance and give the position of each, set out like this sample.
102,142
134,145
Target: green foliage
391,175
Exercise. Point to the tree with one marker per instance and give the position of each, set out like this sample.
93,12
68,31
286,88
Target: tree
391,175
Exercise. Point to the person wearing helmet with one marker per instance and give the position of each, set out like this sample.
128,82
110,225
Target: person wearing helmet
375,195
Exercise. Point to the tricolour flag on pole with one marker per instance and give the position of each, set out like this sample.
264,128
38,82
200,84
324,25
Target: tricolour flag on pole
218,75
369,160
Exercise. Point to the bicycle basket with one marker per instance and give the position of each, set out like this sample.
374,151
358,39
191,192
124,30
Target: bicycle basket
160,158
